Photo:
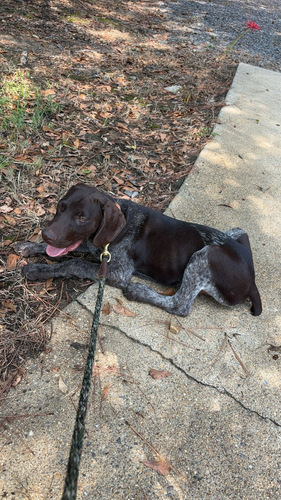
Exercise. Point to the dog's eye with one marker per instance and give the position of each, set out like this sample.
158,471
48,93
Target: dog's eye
80,218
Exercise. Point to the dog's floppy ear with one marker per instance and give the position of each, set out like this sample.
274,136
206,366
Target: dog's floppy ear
111,225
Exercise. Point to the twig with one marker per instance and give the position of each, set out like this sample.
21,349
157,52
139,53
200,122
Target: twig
179,341
238,359
10,418
55,307
161,457
190,331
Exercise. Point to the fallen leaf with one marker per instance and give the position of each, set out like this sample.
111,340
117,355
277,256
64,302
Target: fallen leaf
10,305
39,210
48,92
106,309
168,292
159,466
10,220
159,374
48,283
105,391
62,386
4,209
52,209
16,380
12,261
124,311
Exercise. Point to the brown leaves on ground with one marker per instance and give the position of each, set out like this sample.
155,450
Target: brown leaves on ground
62,386
12,261
159,374
106,309
160,466
93,108
123,311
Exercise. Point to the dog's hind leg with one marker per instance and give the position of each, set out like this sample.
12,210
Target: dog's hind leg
196,277
236,233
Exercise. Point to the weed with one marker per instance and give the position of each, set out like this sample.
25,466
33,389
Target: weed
206,132
43,109
4,162
13,101
76,19
22,108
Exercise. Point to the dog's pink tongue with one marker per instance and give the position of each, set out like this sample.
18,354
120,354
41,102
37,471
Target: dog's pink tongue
56,252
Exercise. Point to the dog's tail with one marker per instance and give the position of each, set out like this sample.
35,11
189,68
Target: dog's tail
254,297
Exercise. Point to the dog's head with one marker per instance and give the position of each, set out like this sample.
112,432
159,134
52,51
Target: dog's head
82,212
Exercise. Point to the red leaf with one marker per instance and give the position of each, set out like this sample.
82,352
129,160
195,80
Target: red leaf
124,311
106,309
159,466
159,374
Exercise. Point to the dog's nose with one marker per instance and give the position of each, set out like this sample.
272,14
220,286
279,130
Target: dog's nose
49,235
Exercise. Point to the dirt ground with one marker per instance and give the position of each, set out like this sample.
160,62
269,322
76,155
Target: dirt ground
88,95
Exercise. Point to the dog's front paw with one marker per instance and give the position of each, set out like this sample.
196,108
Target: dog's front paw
27,248
37,272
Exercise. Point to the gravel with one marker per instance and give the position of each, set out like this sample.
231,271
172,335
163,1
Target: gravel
215,24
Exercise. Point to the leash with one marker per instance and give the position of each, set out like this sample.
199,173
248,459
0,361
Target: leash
70,485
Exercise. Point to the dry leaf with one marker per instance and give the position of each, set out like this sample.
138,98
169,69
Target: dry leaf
62,386
124,311
105,391
52,209
4,209
48,92
48,283
16,381
12,261
10,220
106,309
168,292
39,210
159,466
158,374
10,305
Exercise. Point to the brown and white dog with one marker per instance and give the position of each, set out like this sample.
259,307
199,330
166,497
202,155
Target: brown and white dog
190,257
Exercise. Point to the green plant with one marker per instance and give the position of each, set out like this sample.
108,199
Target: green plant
22,108
250,26
13,101
43,109
206,132
4,162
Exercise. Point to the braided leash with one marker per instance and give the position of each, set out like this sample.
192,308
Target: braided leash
70,485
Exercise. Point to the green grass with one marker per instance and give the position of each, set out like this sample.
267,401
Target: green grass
4,162
22,109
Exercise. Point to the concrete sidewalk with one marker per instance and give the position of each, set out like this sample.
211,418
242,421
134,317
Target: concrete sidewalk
215,419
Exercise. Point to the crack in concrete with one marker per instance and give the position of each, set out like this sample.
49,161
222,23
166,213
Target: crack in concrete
221,390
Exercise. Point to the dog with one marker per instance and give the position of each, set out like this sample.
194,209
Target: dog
192,258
